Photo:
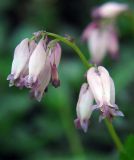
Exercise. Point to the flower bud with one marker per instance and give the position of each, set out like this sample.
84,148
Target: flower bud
84,107
55,76
55,56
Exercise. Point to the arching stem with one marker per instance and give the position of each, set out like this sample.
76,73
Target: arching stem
109,125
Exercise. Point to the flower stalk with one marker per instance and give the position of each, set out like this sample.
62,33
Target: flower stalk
72,45
114,136
109,125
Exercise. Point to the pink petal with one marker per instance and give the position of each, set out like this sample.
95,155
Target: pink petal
88,30
98,44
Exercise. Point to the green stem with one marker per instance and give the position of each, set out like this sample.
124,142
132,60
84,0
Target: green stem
114,135
73,46
109,125
73,138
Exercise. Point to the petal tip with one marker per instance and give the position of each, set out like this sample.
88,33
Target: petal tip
84,125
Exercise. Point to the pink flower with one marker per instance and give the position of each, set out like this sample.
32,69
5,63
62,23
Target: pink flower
47,59
97,44
44,78
109,10
36,64
19,68
102,87
101,34
55,56
88,30
113,44
101,40
84,107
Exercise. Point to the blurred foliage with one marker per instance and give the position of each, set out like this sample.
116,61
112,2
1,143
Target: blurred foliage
129,147
36,131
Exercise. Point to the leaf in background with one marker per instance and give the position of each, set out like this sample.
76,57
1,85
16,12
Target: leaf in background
4,5
25,30
123,72
129,148
72,71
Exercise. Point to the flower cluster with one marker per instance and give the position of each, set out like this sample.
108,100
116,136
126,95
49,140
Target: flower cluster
35,65
100,87
101,34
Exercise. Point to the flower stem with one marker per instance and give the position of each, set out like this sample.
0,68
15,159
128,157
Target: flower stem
109,125
72,45
114,135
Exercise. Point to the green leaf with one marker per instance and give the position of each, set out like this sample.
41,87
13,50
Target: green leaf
129,148
123,72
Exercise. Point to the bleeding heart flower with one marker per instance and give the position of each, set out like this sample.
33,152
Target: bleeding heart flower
20,62
101,39
84,107
36,64
103,89
109,10
44,78
55,56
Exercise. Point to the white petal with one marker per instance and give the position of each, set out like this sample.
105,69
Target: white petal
112,91
83,89
95,84
32,46
112,9
21,58
97,44
105,80
84,105
37,61
44,77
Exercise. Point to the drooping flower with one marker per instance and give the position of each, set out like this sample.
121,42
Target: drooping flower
36,64
102,87
97,44
43,68
19,68
101,34
55,56
84,107
44,78
101,39
109,10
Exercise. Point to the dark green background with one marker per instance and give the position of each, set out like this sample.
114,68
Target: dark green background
45,131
